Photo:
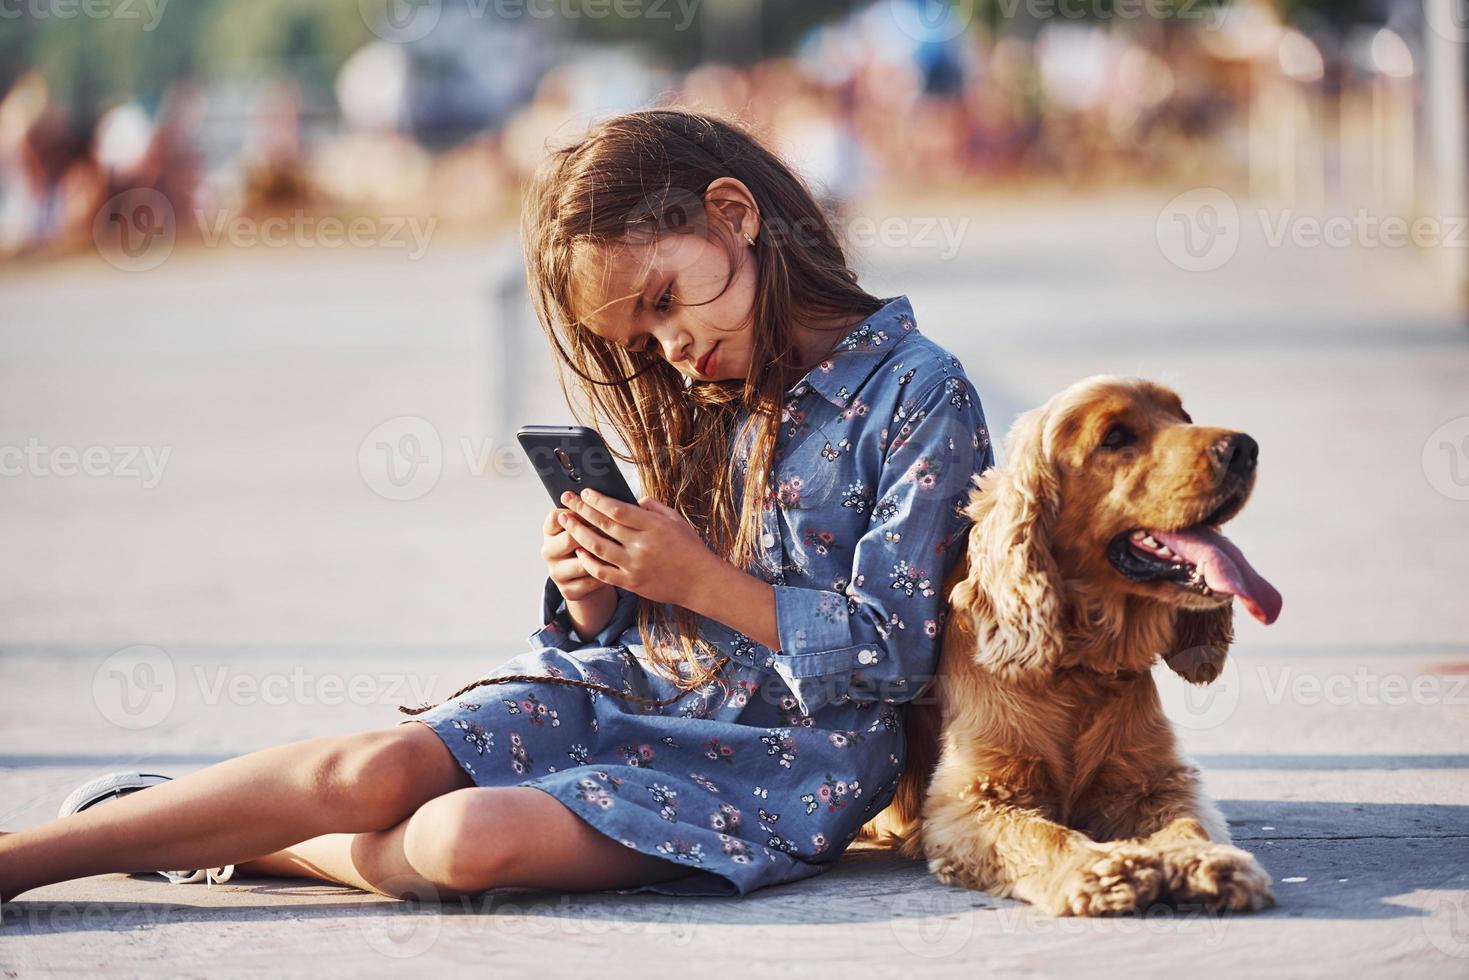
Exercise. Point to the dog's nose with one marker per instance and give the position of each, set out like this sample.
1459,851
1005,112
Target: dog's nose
1237,453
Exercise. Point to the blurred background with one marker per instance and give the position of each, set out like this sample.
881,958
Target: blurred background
264,342
265,339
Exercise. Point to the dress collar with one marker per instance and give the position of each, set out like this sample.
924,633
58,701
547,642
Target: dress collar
859,353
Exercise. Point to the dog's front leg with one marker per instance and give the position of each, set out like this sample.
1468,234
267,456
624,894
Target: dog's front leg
987,843
1201,867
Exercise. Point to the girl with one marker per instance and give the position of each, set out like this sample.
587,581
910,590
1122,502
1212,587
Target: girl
714,701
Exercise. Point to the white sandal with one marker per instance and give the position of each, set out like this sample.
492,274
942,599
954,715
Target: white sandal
112,786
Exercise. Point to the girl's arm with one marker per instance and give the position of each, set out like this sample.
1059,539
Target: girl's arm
565,631
591,615
741,601
880,639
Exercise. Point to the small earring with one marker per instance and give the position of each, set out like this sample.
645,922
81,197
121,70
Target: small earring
750,241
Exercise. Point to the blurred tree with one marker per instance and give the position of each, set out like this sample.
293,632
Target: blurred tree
1336,12
93,62
779,25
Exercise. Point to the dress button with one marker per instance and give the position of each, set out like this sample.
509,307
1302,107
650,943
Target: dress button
767,539
866,656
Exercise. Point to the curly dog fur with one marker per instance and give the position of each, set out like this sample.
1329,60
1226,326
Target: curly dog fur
1040,764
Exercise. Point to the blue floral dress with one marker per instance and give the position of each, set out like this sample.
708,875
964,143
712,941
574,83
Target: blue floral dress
768,777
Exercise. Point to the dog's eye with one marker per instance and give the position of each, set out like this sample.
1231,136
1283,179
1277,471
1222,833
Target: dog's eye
1118,436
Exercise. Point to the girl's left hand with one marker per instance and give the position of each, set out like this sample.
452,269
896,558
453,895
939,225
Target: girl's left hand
650,549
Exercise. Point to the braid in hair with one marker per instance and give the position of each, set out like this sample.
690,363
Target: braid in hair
556,680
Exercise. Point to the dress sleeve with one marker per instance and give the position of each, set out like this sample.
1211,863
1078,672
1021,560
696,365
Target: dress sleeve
561,634
880,640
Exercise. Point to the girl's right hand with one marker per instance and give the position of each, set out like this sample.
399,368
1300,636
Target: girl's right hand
558,549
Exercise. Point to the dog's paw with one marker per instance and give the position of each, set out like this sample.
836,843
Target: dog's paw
1110,879
951,872
1218,877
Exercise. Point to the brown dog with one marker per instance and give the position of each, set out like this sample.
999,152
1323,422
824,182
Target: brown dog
1040,764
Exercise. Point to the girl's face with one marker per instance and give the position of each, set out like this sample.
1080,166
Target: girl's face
669,297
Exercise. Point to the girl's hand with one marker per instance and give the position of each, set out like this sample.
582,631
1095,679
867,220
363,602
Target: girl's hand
558,550
650,549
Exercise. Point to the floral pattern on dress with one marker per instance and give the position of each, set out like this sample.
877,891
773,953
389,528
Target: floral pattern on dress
767,777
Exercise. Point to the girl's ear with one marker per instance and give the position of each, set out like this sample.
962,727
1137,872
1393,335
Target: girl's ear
1013,591
731,199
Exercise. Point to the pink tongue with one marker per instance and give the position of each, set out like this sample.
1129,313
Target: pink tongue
1225,569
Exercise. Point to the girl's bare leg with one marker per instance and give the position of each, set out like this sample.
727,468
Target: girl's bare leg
466,841
240,809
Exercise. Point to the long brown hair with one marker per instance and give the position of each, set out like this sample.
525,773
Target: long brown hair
631,178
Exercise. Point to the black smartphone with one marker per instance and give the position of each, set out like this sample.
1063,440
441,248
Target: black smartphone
573,457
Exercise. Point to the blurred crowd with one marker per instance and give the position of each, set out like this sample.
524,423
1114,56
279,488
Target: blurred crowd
448,125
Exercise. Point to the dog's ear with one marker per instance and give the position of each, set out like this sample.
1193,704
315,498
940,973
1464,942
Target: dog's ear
1012,593
1201,642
